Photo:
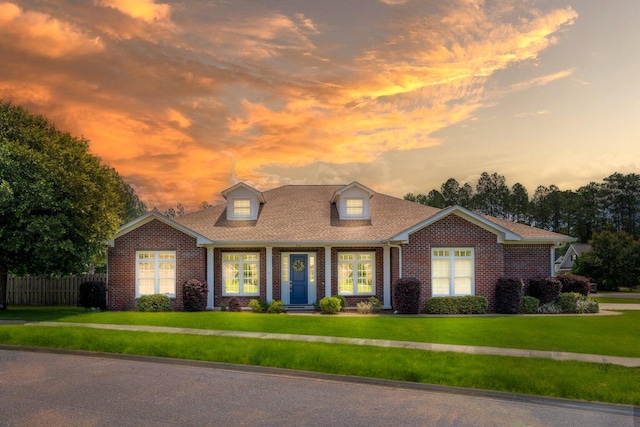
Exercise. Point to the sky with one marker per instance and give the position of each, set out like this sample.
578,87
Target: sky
186,98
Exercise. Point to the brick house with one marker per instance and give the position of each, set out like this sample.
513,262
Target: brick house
300,243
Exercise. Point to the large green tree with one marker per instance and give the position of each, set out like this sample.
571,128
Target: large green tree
613,261
58,202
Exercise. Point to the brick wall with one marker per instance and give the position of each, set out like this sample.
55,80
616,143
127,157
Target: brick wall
152,236
454,231
492,260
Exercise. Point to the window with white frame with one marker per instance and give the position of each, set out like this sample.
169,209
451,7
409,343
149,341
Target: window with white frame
354,207
452,271
242,207
240,273
356,273
156,273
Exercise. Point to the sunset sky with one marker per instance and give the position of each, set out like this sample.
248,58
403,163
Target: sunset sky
184,99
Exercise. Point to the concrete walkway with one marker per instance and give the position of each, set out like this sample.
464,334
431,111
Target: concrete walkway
555,355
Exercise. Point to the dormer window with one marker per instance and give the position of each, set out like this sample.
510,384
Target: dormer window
243,202
353,201
355,207
242,208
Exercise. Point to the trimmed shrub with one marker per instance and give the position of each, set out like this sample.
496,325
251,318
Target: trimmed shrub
255,305
234,304
574,302
549,308
364,307
93,295
457,305
343,301
574,283
154,303
376,304
194,295
406,295
546,290
330,305
509,293
529,305
276,307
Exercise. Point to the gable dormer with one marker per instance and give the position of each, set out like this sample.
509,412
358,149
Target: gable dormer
243,202
352,201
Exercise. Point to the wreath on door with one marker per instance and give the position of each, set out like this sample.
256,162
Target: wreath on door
298,266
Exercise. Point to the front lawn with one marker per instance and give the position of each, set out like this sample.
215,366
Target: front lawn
608,335
615,335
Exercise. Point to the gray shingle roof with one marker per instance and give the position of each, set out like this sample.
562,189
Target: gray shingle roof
304,213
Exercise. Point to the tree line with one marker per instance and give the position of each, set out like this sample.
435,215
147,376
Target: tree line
611,205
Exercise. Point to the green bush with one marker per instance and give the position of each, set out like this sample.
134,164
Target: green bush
194,295
457,305
406,295
529,305
574,302
546,289
376,304
509,293
255,305
575,283
330,305
93,295
234,304
343,301
549,308
364,307
276,306
154,303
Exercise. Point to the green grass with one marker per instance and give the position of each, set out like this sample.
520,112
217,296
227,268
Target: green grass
574,380
608,335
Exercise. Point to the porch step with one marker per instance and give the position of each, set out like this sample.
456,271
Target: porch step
299,307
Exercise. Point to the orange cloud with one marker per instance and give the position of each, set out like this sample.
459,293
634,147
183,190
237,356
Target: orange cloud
41,34
147,10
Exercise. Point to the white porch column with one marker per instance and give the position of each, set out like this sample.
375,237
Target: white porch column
386,273
269,262
553,261
210,278
327,271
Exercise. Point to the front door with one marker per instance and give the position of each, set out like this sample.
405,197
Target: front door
298,275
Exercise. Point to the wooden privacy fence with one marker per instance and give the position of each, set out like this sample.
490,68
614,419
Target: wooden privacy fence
48,290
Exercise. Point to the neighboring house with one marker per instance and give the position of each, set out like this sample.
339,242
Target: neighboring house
565,264
300,243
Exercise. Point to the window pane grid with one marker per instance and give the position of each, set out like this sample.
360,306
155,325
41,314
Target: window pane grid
156,273
355,274
241,274
452,272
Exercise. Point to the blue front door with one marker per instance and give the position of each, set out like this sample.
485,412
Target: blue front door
298,275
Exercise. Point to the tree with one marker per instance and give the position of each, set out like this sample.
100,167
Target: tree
518,203
613,261
58,203
492,195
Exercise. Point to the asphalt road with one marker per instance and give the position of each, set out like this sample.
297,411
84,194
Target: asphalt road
47,389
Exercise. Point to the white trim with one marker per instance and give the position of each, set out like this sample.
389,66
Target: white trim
241,291
210,287
501,233
354,271
154,215
386,281
327,271
156,260
312,287
451,257
269,265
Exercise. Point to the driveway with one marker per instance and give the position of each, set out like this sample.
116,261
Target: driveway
50,389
